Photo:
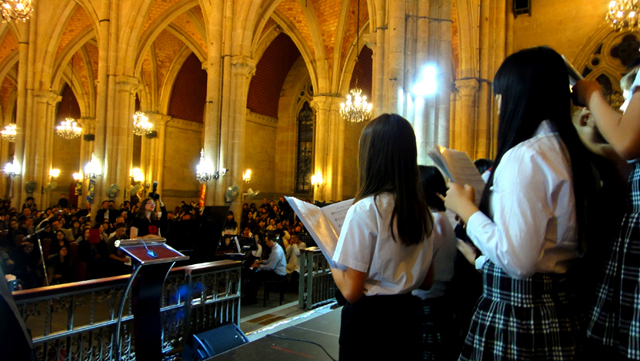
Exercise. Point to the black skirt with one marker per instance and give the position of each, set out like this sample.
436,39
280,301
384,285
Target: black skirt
524,319
381,328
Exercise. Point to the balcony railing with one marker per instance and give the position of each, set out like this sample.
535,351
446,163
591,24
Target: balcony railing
316,282
76,321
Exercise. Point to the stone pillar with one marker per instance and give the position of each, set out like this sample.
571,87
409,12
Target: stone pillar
320,141
21,110
395,54
38,153
243,68
335,156
86,149
154,168
465,125
119,138
102,94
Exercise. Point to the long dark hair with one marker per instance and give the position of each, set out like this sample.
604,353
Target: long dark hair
534,87
142,213
433,183
388,163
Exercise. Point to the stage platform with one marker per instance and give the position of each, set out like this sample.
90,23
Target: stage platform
268,344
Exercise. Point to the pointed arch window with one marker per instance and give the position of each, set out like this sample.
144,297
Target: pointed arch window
304,159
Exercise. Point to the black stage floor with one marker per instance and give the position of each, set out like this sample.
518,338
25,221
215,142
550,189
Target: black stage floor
323,330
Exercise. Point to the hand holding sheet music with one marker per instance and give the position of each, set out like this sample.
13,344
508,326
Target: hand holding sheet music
324,224
458,168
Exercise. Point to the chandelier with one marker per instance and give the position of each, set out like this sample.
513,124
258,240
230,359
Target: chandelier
204,170
68,129
356,109
9,133
16,10
141,125
623,14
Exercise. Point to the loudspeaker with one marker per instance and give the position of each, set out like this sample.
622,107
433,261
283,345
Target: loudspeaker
205,345
521,7
89,137
152,134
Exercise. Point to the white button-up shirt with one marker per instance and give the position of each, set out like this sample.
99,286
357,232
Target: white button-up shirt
366,245
534,227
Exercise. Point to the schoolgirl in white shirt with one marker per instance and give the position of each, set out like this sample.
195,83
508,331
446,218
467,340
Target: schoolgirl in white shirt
531,223
386,247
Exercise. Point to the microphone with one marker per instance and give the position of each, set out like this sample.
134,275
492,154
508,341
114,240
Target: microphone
33,234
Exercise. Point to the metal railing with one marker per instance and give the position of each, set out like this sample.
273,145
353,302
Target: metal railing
76,321
316,282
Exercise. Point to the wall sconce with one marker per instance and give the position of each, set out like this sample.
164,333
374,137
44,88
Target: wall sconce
246,176
77,176
137,175
317,181
204,171
54,173
12,169
92,169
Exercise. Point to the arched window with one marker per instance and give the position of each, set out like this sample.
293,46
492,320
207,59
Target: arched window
304,161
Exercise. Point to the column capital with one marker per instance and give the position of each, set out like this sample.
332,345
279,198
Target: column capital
243,65
370,40
127,83
49,97
158,118
467,87
326,102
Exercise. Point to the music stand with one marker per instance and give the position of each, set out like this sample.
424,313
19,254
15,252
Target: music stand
152,260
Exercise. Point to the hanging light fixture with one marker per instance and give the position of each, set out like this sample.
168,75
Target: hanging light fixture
623,15
69,129
356,109
141,125
204,170
16,10
9,133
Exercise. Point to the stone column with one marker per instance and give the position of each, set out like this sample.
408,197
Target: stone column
38,153
119,139
53,99
335,156
102,94
395,56
321,105
86,149
154,168
21,105
465,125
243,68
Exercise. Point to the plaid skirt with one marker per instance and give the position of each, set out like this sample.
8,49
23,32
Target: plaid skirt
615,321
438,330
525,319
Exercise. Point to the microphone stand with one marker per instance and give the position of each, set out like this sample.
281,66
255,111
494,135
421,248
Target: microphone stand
44,266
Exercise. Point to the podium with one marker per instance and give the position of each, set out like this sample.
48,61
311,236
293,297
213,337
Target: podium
152,260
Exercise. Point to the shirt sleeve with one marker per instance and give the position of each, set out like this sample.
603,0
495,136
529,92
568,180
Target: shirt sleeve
524,198
357,238
271,261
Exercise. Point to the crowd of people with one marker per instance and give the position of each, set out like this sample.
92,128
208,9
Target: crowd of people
553,239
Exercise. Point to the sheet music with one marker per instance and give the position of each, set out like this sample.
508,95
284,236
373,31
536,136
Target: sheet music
336,213
323,229
459,168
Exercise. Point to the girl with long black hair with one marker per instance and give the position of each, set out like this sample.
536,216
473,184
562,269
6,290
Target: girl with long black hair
532,219
385,246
